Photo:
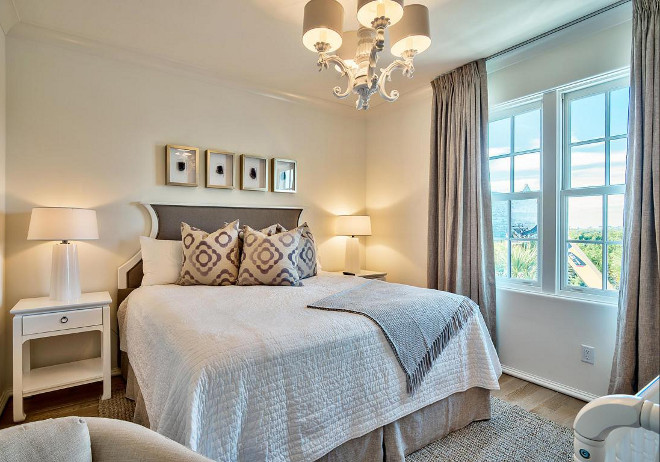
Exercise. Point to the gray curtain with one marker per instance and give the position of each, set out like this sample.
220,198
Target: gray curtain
636,352
460,239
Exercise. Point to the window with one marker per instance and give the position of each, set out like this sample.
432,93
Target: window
594,164
557,173
515,176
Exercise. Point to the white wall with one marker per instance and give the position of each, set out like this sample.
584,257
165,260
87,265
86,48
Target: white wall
398,141
90,131
538,334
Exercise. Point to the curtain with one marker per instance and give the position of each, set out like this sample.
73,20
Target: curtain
460,239
636,348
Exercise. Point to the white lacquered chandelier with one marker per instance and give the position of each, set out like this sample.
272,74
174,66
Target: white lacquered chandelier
357,51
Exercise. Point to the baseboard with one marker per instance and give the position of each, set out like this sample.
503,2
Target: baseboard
556,386
6,394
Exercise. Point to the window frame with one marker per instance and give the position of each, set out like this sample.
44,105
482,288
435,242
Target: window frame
551,213
505,111
566,191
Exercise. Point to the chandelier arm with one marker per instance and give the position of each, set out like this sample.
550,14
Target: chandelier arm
407,68
345,70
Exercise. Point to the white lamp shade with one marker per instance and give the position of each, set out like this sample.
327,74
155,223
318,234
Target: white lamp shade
62,224
412,32
323,23
368,10
354,225
348,47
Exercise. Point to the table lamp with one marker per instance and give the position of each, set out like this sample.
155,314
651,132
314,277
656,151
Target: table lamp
63,224
353,225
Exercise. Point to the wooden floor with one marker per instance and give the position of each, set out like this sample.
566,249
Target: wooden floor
547,403
84,401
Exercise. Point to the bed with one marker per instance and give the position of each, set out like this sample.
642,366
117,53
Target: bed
250,373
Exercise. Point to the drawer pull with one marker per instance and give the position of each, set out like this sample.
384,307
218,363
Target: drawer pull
64,320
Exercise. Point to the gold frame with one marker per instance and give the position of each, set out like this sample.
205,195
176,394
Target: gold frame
208,168
273,170
266,163
167,160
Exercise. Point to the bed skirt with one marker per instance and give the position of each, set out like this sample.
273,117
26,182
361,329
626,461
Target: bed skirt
389,443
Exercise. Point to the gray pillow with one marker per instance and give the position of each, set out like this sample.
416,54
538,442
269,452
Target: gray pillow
47,440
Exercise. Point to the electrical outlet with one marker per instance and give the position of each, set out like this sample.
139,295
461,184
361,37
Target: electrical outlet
588,354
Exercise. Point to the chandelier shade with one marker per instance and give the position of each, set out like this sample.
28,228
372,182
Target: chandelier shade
413,32
322,25
368,10
348,49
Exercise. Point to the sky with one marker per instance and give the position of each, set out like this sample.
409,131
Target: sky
587,123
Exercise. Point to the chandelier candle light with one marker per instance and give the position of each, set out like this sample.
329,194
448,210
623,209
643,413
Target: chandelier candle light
357,51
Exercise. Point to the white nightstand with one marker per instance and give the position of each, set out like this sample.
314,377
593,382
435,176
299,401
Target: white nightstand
42,317
380,275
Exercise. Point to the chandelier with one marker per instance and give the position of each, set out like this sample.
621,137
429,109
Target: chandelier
357,51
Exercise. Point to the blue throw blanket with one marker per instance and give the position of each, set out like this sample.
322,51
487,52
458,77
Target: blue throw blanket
417,323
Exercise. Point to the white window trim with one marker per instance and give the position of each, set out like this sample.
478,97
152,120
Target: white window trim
504,111
550,215
564,97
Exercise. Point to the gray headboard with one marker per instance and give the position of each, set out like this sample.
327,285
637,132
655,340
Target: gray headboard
166,224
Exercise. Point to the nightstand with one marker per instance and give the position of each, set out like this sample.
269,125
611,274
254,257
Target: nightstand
380,275
42,317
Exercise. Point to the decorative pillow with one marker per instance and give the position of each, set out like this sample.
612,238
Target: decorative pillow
272,229
51,440
269,260
209,259
307,261
161,261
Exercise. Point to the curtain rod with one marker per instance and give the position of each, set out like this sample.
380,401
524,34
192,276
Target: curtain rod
557,29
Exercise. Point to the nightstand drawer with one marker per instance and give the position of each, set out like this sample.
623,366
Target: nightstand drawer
49,322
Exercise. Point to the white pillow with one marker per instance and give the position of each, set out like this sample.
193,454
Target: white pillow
161,261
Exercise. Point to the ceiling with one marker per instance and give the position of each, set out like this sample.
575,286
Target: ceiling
258,42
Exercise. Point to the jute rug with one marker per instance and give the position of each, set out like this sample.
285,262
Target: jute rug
512,434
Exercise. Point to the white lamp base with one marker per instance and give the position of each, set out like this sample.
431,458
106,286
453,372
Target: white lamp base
352,263
64,275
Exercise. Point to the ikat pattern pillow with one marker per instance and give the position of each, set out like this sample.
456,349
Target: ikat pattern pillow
269,260
209,259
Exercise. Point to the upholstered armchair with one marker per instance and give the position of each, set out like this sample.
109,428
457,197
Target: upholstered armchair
89,439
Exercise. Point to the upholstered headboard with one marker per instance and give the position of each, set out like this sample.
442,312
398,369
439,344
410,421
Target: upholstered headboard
166,224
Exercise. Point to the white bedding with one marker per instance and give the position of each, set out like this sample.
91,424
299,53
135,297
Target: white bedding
250,373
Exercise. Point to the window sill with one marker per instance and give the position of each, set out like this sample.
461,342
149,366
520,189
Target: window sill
561,295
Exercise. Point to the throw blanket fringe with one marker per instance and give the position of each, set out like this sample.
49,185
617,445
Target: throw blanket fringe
458,320
417,323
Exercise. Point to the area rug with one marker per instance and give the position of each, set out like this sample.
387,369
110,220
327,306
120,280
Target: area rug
118,406
512,434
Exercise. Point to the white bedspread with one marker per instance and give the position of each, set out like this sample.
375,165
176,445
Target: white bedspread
250,373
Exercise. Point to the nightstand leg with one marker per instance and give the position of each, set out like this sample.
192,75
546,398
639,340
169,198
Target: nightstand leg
26,356
105,353
19,416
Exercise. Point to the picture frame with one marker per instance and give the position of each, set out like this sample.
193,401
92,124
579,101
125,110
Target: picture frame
181,165
285,175
254,173
219,169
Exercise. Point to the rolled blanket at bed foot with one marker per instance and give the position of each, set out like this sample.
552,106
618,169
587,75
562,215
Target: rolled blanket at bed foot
417,323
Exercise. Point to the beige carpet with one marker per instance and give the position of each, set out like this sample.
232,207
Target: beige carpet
512,434
118,406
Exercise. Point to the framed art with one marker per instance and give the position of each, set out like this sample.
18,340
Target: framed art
181,164
254,173
219,169
285,175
